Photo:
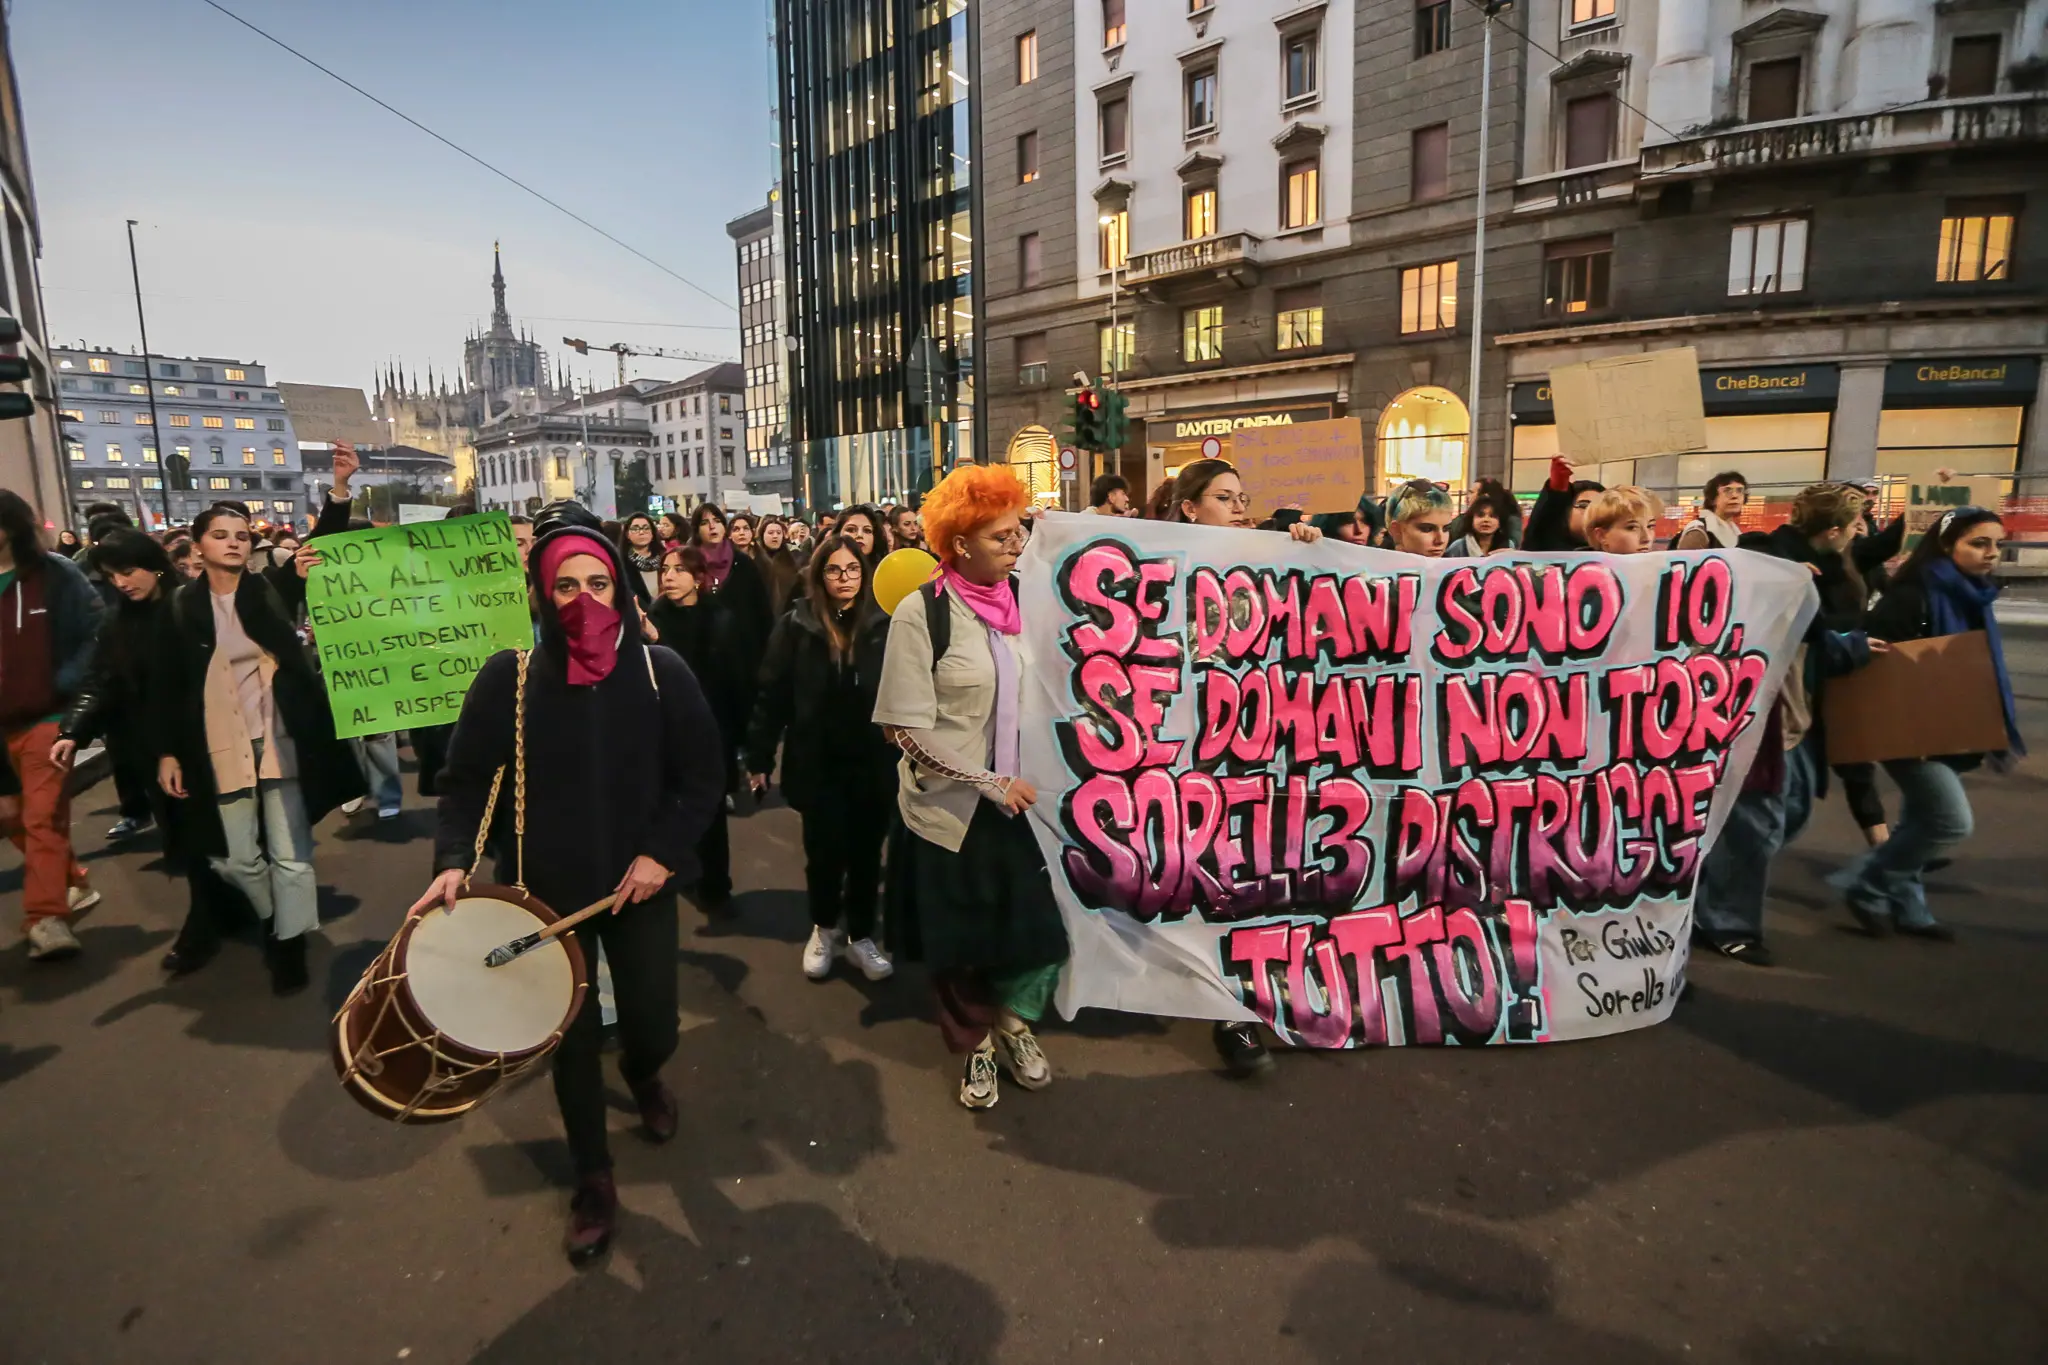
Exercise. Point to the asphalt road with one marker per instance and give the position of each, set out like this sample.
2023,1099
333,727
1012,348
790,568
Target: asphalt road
1839,1160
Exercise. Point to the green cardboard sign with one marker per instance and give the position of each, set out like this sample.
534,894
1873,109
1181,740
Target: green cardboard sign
404,616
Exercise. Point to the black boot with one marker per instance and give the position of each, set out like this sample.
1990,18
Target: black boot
593,1216
287,956
1239,1047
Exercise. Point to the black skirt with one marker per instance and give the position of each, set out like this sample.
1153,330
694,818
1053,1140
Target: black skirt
989,906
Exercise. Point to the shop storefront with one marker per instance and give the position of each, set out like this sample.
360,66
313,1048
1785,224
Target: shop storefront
1967,414
1769,421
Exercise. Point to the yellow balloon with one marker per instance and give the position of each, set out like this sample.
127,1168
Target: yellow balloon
900,575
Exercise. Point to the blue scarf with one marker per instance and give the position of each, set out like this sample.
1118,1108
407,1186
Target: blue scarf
1957,602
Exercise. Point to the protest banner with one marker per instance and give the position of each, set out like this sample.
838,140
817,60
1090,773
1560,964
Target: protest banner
1925,502
1374,799
404,616
1313,466
1630,406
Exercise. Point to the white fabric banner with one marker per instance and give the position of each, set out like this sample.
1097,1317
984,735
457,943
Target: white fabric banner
1372,799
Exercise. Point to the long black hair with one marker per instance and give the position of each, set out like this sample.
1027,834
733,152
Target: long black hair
127,549
1506,509
837,636
24,533
875,524
1941,538
653,532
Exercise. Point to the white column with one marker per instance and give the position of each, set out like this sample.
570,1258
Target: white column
1682,81
1852,436
2034,454
1886,58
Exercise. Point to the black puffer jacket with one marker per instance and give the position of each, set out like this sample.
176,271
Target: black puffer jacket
1842,592
820,710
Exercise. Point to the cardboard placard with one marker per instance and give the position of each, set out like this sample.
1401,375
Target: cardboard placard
1923,699
1629,407
1313,466
404,616
329,413
1925,502
411,512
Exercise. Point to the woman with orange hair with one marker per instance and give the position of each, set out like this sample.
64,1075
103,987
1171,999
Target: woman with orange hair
968,894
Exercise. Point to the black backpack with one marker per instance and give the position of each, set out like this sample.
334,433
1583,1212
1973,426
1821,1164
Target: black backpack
938,618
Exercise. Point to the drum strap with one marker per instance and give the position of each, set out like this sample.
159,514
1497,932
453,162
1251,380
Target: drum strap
483,830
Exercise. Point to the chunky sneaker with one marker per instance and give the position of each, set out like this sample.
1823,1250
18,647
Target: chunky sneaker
81,898
389,812
593,1215
1241,1050
1024,1058
352,805
824,945
50,940
978,1081
874,964
127,827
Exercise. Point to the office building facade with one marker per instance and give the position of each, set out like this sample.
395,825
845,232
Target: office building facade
757,247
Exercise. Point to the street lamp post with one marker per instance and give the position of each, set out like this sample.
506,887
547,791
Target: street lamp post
156,431
1493,8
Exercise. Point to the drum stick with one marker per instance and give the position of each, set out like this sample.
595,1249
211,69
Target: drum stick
505,952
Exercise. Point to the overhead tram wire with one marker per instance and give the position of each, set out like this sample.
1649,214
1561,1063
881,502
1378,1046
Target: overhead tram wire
1523,33
464,151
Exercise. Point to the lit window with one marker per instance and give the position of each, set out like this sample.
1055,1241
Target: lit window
151,481
1118,346
1112,23
1575,276
1300,317
277,454
100,365
66,363
1031,361
1116,129
1432,26
1201,108
1767,257
1298,57
213,423
75,451
725,402
109,417
245,424
1301,201
71,414
1201,213
117,481
234,376
1429,297
181,419
114,455
1591,11
85,483
1027,58
1114,238
142,389
1976,241
1201,333
219,485
1027,158
248,454
173,391
149,454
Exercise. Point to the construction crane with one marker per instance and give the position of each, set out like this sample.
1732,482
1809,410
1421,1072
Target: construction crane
621,350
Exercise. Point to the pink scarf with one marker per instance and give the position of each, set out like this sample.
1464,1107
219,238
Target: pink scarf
995,604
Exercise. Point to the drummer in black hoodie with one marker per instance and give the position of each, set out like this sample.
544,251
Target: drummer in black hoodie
623,771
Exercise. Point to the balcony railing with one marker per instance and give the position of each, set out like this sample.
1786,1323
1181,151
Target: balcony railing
1932,127
1226,253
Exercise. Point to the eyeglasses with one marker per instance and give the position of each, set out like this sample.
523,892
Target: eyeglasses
1010,540
839,573
1240,501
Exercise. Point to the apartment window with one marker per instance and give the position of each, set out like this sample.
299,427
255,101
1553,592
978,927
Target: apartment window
71,414
1117,347
149,454
1112,23
1201,333
202,371
1201,109
1976,240
245,424
252,483
173,391
117,481
277,454
1027,158
1298,60
1116,129
1767,257
234,376
725,403
100,365
1113,236
248,454
209,393
725,461
1774,89
273,424
135,367
142,419
239,395
1429,297
168,371
114,453
181,419
220,485
216,455
142,389
1432,26
211,423
1300,193
1575,276
102,386
1031,364
1589,130
1027,58
1973,65
1027,260
75,451
1201,213
1300,317
109,417
1592,12
1429,157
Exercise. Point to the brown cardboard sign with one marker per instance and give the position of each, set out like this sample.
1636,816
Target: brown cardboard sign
1314,466
1926,503
1924,699
329,413
1629,407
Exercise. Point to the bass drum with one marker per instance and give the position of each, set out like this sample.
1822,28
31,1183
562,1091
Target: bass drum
430,1032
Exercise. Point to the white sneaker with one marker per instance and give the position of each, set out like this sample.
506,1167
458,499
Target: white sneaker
874,964
824,946
80,898
389,812
351,807
1024,1057
978,1089
50,939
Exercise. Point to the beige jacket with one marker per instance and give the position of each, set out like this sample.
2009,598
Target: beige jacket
953,708
227,734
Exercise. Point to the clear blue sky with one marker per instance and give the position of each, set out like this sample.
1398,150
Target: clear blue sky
288,221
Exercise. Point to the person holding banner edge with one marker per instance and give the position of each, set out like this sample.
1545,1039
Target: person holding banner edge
624,767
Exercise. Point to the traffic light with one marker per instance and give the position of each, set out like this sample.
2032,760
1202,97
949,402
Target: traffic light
13,370
178,469
1115,427
1086,420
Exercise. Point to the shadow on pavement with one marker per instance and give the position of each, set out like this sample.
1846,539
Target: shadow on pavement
16,1062
105,947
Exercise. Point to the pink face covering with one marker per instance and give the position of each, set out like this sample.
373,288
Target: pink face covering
589,627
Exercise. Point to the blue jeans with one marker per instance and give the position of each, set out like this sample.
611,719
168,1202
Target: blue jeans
377,756
1729,904
1934,816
